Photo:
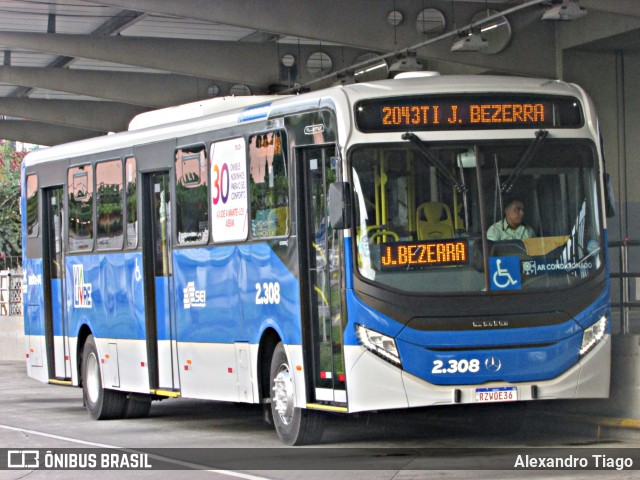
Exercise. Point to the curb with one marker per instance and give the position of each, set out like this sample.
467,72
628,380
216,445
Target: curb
599,421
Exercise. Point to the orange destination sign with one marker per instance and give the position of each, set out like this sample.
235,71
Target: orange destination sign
467,112
435,253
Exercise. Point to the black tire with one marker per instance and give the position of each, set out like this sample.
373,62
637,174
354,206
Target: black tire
102,404
294,426
137,407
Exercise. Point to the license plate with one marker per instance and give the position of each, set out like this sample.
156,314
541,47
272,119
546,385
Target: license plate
496,394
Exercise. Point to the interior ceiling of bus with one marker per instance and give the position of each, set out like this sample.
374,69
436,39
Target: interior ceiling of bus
75,69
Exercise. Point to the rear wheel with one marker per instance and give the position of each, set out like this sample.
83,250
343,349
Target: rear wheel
295,426
101,403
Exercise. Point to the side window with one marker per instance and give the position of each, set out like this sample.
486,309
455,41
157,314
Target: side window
80,189
109,227
32,206
269,185
131,202
192,215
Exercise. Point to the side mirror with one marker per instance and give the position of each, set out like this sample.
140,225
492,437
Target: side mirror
340,205
609,197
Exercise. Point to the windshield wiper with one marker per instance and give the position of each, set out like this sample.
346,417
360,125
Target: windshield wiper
524,161
435,161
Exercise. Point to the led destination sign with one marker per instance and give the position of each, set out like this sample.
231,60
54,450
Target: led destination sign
468,112
434,253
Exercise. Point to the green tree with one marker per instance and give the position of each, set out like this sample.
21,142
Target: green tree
10,231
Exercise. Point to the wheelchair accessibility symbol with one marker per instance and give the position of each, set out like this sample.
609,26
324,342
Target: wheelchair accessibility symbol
505,273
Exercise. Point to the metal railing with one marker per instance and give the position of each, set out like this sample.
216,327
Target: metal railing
10,262
10,292
623,300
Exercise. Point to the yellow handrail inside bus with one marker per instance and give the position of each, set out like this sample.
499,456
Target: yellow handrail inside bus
411,197
383,193
383,234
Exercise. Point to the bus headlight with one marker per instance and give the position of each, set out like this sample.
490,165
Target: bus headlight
379,344
593,335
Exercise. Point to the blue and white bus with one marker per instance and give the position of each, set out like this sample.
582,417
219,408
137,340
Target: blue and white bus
325,252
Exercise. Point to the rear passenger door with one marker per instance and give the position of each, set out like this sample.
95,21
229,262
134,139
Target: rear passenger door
158,267
56,328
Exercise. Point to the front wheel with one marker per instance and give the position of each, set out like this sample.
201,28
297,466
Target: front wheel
294,426
102,404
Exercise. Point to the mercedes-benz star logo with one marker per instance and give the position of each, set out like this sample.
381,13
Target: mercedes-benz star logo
493,364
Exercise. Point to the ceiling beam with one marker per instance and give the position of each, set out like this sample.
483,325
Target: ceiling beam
154,90
324,21
620,7
115,24
595,27
248,63
40,133
86,114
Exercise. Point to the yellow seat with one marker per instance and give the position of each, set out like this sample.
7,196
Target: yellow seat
433,220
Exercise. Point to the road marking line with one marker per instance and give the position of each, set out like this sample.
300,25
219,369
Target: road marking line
193,466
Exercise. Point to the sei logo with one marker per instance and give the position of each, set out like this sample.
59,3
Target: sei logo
267,293
194,298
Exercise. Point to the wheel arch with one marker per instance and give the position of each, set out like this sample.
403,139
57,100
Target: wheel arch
270,338
83,334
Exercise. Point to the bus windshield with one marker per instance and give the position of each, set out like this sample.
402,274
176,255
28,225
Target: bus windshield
431,217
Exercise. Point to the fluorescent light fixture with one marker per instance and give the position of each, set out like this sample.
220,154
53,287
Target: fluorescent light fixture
473,42
407,63
492,26
371,69
567,10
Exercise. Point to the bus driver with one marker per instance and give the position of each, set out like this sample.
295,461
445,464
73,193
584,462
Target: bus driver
511,226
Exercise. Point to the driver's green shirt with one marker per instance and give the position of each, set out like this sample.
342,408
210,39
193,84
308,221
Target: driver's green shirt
502,231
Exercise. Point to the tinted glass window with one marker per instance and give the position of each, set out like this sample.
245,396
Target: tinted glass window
477,217
269,185
109,205
131,201
192,216
32,206
80,188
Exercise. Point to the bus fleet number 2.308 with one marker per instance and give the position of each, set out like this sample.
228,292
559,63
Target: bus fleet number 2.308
456,366
267,293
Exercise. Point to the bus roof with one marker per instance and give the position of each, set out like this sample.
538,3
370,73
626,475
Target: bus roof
193,110
206,115
441,84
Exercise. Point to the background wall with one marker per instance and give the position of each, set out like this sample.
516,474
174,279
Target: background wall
611,79
12,340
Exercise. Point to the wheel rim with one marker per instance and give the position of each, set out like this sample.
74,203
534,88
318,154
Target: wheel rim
283,394
93,378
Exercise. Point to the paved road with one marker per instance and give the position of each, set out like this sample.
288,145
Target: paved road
233,441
